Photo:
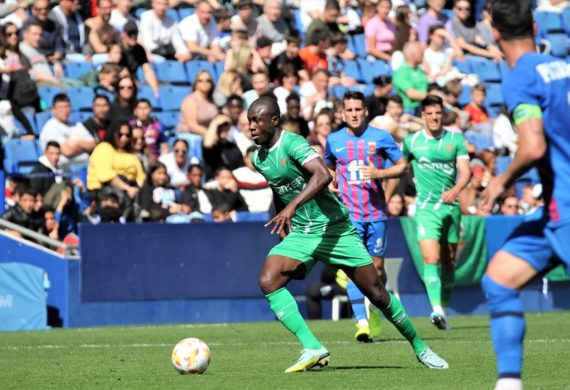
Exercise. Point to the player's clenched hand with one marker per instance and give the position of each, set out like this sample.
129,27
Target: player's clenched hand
449,196
494,189
333,187
369,172
282,219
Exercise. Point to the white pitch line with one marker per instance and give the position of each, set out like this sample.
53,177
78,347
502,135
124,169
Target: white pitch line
163,345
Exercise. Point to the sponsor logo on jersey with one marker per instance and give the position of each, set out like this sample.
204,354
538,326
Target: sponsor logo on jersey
296,185
426,163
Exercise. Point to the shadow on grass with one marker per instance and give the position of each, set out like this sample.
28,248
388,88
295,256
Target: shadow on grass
374,367
470,327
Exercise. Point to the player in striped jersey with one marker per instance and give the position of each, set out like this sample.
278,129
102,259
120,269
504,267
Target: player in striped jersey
356,155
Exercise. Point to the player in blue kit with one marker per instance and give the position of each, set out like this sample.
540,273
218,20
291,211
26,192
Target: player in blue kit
537,92
356,155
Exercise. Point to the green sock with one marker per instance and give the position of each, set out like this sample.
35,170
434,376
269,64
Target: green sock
447,282
396,314
286,310
433,284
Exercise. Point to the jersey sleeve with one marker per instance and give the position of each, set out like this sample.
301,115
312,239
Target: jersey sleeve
390,147
461,146
522,86
330,158
299,149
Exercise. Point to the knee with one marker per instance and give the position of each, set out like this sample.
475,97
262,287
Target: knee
267,282
501,298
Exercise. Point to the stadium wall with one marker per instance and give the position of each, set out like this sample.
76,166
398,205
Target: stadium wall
156,273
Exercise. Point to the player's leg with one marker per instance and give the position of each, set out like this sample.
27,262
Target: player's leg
370,284
357,299
506,274
376,245
526,254
450,238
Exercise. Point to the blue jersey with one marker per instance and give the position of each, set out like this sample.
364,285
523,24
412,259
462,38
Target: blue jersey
544,81
364,198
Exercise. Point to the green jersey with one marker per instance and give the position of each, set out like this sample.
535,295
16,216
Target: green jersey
282,166
434,163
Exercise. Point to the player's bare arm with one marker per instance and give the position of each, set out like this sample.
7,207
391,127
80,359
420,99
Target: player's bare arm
464,169
320,178
370,172
333,186
532,146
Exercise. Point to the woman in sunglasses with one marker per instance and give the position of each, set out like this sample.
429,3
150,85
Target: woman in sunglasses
122,108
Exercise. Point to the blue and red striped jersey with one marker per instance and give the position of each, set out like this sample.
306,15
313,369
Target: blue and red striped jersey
364,199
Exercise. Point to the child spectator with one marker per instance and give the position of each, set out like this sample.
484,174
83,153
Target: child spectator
293,112
252,185
139,147
289,56
510,205
157,198
476,109
99,122
396,206
21,213
224,190
154,137
193,198
217,150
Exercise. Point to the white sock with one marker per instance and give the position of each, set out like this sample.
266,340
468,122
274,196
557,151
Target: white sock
509,384
362,322
438,309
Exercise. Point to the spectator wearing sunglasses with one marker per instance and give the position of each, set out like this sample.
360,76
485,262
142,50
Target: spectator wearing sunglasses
125,100
177,163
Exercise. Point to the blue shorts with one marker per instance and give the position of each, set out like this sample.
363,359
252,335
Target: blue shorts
373,234
540,244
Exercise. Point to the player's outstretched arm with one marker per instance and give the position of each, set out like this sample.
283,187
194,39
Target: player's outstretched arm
532,146
320,178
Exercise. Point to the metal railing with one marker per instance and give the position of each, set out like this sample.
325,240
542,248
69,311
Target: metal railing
71,251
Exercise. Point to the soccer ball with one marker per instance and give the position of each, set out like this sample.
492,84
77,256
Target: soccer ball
191,356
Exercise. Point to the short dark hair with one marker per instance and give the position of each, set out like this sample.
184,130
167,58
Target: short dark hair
294,39
338,38
432,100
354,95
234,97
396,99
269,103
53,144
191,167
99,96
143,100
293,96
319,35
332,4
60,97
513,19
32,24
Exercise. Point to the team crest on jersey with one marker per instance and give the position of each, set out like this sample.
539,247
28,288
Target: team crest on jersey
448,147
371,147
283,162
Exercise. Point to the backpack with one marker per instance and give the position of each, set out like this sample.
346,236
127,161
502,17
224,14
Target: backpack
23,90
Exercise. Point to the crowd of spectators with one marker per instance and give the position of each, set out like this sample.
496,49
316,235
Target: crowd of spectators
123,163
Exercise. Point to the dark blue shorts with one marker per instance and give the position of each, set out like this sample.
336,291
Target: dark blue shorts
373,234
541,244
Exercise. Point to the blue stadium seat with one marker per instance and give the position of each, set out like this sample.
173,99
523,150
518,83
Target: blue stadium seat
173,13
41,119
246,216
219,67
33,123
75,70
558,44
171,96
79,116
297,23
494,94
145,92
548,22
504,68
195,66
366,89
502,163
463,66
81,98
185,12
351,69
169,119
139,11
493,111
47,94
194,144
338,91
481,141
20,156
487,71
140,74
465,96
372,69
359,44
566,20
171,72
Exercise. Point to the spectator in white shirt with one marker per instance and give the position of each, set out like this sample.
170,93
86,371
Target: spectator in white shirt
160,35
121,14
177,163
199,31
75,140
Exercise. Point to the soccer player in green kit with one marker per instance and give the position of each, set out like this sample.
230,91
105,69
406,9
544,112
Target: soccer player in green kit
436,155
317,227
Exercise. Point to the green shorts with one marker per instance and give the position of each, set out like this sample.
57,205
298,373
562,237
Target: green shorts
442,224
340,245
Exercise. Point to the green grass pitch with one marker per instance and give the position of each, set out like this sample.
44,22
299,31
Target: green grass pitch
253,356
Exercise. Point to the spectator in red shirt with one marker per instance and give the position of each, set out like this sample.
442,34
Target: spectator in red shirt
476,109
314,56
